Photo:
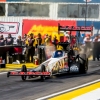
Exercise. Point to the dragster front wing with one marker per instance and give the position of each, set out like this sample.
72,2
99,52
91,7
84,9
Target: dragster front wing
15,73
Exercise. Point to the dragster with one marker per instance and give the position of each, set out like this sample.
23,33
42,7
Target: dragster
61,61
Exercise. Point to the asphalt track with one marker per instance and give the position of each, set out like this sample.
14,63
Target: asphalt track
13,88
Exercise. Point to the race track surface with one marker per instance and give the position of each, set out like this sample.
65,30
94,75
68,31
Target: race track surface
13,88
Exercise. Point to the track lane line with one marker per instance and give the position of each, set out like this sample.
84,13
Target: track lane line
68,90
18,68
1,73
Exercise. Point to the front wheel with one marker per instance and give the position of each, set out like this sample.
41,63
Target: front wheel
24,69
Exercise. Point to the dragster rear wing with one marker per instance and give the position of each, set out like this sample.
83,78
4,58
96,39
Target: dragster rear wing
75,28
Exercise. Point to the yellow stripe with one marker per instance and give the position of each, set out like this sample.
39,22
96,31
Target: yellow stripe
5,69
20,65
10,67
75,93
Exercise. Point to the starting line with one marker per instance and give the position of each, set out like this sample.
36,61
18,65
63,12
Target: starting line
89,91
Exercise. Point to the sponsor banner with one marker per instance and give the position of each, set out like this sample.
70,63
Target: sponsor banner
49,27
13,28
28,73
9,27
74,1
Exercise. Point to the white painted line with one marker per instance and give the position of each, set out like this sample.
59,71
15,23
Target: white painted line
93,95
7,72
58,93
3,73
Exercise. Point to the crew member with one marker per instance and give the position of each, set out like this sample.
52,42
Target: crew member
39,40
19,41
73,41
31,48
46,39
88,45
49,40
55,41
96,51
24,50
2,41
67,39
24,39
96,39
88,39
99,38
9,40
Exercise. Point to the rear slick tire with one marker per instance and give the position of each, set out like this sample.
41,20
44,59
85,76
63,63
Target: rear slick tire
83,64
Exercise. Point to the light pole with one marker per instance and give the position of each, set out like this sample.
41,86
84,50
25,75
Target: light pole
86,13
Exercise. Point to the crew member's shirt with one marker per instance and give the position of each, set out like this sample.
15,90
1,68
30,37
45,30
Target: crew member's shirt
19,42
86,39
31,42
2,42
9,41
